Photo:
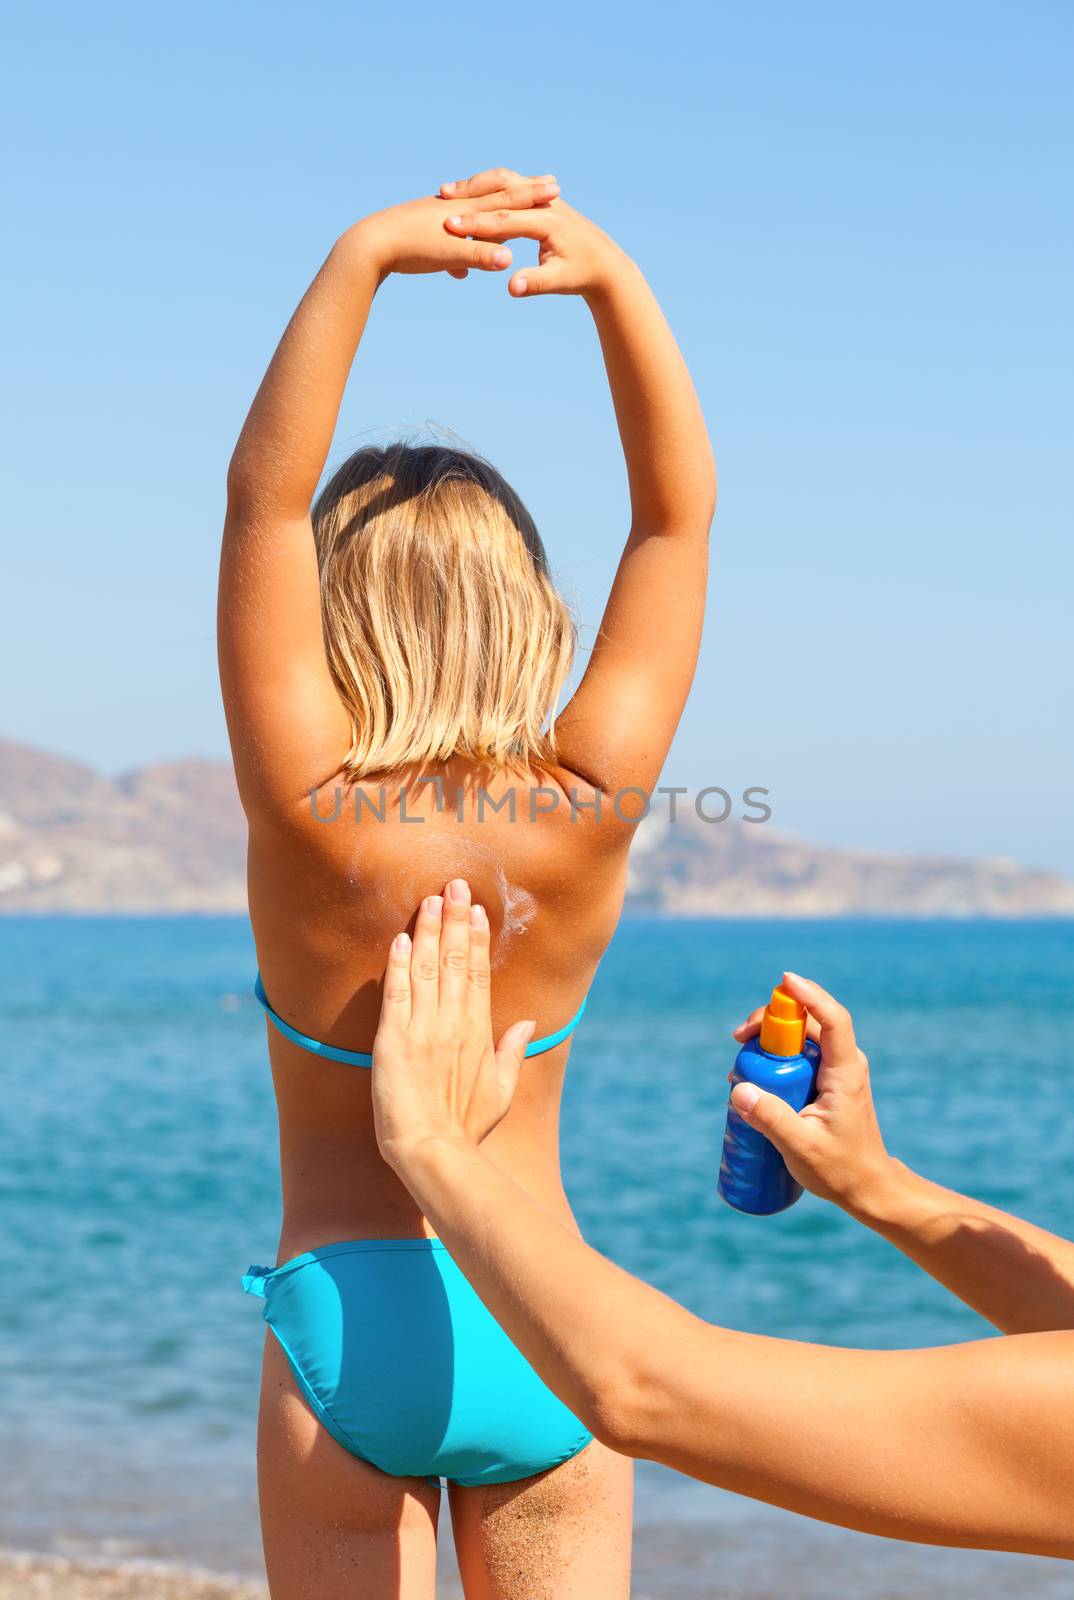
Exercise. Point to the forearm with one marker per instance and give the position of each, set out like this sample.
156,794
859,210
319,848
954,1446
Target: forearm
963,1446
1020,1277
669,460
285,440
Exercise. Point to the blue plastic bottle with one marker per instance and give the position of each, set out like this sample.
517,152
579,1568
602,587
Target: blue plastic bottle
753,1174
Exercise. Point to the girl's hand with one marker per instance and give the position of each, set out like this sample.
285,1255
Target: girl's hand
411,237
833,1147
575,256
436,1072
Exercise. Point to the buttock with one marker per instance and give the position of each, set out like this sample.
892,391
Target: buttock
403,1364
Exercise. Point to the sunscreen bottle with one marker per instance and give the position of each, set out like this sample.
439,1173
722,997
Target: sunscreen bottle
753,1174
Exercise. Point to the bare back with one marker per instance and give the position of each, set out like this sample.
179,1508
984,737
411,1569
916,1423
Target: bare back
332,882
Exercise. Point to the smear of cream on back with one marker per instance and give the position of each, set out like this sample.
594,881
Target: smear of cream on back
450,854
519,906
519,910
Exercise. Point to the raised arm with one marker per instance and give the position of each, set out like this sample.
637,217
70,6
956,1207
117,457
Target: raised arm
288,728
617,728
1017,1275
967,1445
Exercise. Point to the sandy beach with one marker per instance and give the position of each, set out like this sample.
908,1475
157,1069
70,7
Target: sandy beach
33,1577
27,1576
676,1561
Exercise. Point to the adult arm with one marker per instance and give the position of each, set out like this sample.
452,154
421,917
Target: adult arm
971,1444
1020,1277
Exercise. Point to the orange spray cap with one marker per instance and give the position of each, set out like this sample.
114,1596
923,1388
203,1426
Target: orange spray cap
783,1026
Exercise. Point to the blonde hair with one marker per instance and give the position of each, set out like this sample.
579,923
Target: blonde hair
444,632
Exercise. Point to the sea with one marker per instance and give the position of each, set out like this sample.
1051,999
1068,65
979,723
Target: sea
138,1170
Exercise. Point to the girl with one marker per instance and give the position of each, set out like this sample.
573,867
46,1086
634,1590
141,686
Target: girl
391,661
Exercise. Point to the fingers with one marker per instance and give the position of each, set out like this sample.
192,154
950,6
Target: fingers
395,995
769,1115
458,272
502,223
510,1054
454,951
479,977
485,257
504,187
837,1042
486,182
425,960
484,228
535,280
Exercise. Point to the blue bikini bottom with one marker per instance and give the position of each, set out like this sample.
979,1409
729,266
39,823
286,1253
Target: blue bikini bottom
406,1368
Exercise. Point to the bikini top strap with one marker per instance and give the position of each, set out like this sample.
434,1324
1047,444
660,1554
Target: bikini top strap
362,1058
537,1047
329,1052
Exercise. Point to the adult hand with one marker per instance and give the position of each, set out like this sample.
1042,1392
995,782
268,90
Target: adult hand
436,1072
575,256
411,238
834,1146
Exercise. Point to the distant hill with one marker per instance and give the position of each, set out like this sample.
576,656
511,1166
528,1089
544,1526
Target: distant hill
164,838
172,837
695,869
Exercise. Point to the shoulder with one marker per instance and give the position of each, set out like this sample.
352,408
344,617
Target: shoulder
604,817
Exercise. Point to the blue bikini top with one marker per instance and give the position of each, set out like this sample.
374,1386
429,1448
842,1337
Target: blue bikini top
363,1058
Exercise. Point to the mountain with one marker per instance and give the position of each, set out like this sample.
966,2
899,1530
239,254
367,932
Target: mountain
171,838
698,869
164,838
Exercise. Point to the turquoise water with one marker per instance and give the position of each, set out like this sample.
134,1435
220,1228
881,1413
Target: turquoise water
137,1157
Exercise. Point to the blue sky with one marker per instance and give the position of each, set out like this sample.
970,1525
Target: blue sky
858,219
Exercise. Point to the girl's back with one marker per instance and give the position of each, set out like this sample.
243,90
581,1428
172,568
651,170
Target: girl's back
330,886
